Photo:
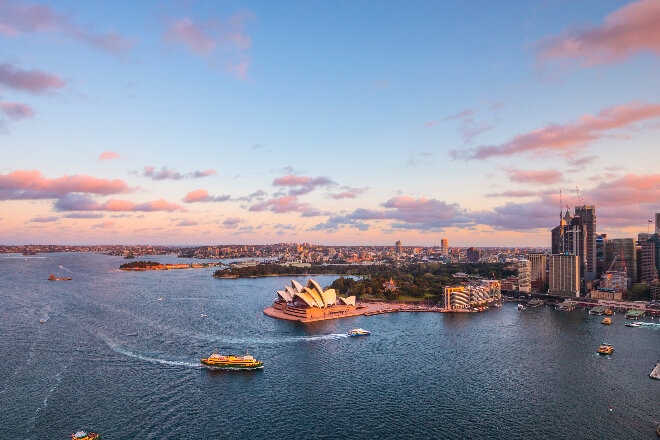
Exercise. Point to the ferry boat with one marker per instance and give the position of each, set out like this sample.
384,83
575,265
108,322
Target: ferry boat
608,312
606,321
597,310
359,332
605,348
82,435
221,362
535,302
567,305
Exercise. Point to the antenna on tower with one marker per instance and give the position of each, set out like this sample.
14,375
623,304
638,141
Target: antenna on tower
580,199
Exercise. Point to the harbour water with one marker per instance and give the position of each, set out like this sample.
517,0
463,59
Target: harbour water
118,353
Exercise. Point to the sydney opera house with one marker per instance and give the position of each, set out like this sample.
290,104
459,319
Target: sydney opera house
312,302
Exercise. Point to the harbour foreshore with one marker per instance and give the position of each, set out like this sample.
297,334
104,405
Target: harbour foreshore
366,309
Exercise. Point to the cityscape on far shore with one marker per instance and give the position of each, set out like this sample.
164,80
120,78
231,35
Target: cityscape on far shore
581,261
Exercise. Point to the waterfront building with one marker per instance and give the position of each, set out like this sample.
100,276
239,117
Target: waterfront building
524,276
539,276
564,275
570,237
311,301
472,296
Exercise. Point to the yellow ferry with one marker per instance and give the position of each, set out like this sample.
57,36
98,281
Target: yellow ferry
605,348
221,362
606,321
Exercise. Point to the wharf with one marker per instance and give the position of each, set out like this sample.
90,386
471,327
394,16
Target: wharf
362,309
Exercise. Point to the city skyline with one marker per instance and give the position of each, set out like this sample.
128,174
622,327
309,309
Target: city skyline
190,123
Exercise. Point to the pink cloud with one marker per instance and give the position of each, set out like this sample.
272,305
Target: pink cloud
83,202
202,195
232,222
215,40
199,195
187,222
569,138
625,32
192,35
34,81
32,184
348,193
105,225
165,173
108,155
520,193
15,110
17,18
535,177
301,184
631,189
50,219
282,205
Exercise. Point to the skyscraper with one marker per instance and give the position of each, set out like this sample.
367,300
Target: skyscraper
564,278
621,256
524,276
399,247
539,276
587,214
444,247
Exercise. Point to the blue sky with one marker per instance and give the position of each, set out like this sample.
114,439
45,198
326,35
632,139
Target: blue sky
326,122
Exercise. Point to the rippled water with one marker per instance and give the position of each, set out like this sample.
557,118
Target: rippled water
113,358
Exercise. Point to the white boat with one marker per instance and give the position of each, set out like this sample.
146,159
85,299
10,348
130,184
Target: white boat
521,307
359,332
633,324
655,374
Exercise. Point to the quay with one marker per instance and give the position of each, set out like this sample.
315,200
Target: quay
363,309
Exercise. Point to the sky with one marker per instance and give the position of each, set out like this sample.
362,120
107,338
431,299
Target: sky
328,122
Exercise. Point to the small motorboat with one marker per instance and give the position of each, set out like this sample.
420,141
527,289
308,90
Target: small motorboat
606,321
359,332
633,324
82,435
605,348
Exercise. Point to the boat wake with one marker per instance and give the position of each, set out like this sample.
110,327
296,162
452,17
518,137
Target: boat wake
128,353
277,340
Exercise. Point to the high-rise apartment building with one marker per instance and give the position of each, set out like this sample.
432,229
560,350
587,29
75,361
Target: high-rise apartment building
524,276
444,247
398,247
538,275
570,238
473,255
587,214
650,255
657,222
564,276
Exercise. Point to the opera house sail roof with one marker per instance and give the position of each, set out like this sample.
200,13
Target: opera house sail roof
312,295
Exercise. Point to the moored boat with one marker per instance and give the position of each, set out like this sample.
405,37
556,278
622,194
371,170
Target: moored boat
221,362
605,348
606,321
535,302
359,332
608,312
82,435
